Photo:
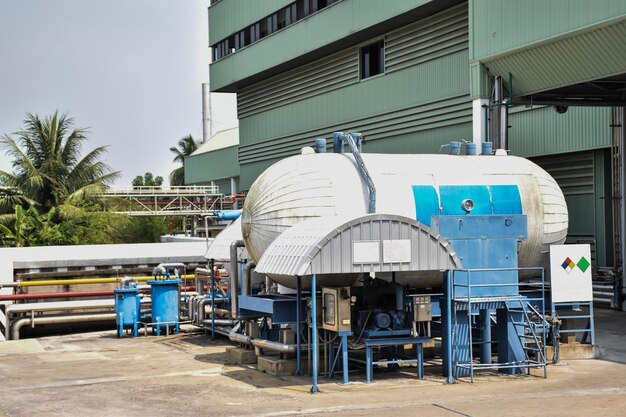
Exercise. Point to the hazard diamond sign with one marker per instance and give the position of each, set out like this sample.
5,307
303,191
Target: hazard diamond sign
570,273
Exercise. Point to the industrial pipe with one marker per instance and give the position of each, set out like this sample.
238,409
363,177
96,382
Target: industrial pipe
234,278
82,281
247,278
219,322
15,329
263,344
47,295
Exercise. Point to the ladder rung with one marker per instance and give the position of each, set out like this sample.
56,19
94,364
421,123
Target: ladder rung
532,349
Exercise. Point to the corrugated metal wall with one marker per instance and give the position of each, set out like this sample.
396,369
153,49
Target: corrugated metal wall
440,35
204,167
582,177
331,73
425,87
542,131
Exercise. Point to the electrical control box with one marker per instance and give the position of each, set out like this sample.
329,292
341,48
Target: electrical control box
336,309
422,308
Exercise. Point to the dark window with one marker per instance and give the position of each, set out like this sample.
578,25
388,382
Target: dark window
291,14
263,24
297,10
282,18
372,59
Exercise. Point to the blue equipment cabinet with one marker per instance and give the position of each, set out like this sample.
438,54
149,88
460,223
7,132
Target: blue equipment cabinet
165,297
127,308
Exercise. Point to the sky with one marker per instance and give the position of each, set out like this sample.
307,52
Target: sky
129,70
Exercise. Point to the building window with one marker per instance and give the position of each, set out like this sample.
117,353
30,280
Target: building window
268,25
372,59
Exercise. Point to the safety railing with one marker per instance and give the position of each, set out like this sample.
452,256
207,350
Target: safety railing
471,303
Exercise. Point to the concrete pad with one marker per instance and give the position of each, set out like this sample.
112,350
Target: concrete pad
572,351
21,346
241,356
276,366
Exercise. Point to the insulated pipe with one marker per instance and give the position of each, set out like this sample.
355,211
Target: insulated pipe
162,268
47,295
263,344
234,278
247,278
219,322
15,328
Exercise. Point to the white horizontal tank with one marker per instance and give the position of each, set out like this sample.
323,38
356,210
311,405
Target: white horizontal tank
328,184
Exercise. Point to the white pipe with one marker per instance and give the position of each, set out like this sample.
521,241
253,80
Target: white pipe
15,328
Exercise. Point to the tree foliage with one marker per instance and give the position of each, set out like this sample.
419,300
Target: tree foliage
186,146
71,225
148,180
45,200
48,168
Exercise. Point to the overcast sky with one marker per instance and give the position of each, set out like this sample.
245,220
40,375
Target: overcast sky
130,70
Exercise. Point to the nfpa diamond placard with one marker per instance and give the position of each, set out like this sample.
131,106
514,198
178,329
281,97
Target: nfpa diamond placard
570,273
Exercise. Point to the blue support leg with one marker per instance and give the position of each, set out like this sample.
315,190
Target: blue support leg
485,347
446,316
298,325
368,364
314,387
420,361
510,349
344,355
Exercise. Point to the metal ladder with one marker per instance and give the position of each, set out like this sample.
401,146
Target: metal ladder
532,333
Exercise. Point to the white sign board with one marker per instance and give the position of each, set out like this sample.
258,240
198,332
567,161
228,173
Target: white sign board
570,273
366,252
397,251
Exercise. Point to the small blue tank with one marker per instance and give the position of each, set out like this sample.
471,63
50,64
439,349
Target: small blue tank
127,308
165,299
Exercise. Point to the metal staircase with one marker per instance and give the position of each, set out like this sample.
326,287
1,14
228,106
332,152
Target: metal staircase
532,332
526,318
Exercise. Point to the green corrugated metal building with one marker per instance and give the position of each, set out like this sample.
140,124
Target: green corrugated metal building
412,75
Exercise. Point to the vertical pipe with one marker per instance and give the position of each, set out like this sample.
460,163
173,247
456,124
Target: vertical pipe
621,113
298,324
337,142
206,113
320,145
212,266
233,288
314,388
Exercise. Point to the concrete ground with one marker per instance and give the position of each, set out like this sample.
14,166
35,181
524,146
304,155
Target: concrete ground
96,374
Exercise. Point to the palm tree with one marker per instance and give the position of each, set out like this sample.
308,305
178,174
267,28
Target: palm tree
48,170
186,146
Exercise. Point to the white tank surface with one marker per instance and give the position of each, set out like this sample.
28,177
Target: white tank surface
328,184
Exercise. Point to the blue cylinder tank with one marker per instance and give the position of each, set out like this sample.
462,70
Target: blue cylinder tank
127,309
165,299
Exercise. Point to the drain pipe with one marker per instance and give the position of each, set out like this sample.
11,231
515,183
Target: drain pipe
18,324
247,278
234,278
